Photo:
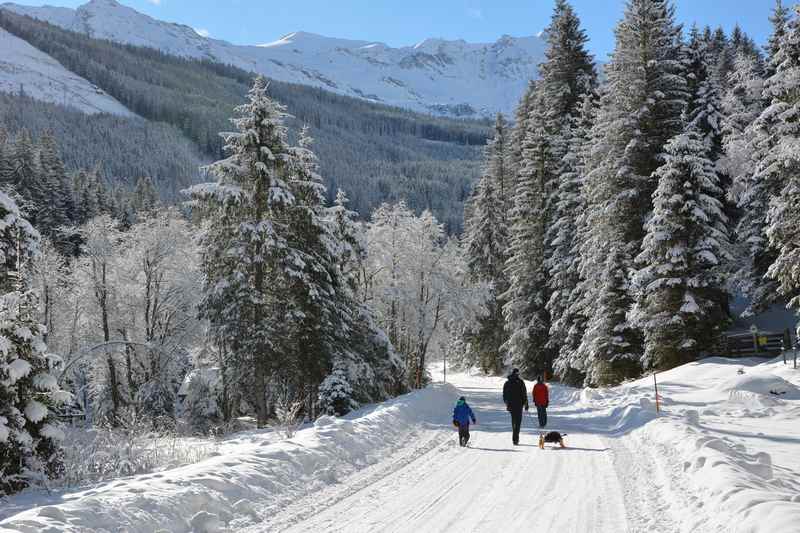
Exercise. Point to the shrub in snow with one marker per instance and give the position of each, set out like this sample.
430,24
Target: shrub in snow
29,437
336,394
199,400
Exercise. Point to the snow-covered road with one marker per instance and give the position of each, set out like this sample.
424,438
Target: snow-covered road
490,486
722,456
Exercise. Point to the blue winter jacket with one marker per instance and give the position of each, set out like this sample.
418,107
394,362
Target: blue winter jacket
463,413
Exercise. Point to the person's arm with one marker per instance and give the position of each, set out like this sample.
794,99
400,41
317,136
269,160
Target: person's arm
472,416
546,396
524,393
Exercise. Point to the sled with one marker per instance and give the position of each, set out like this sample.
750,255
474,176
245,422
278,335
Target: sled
560,441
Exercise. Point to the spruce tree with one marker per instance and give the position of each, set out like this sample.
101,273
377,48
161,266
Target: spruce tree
486,249
526,318
772,139
145,195
566,300
29,433
640,109
780,20
680,277
611,347
565,75
58,193
246,256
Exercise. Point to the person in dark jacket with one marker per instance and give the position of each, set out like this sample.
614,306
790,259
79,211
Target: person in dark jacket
462,414
541,399
515,396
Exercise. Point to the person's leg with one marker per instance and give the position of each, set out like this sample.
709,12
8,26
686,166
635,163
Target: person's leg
461,435
466,434
541,412
516,422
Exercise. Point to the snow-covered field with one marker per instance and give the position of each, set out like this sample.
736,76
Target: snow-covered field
723,455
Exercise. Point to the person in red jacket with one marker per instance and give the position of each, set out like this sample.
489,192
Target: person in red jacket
541,399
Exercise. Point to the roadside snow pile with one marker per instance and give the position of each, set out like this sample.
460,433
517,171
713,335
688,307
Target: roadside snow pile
247,484
762,387
726,441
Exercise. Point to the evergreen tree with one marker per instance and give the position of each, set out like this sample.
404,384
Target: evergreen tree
526,318
612,345
26,176
565,75
565,304
247,259
680,277
784,236
486,248
29,433
640,109
322,301
145,195
60,206
780,20
772,140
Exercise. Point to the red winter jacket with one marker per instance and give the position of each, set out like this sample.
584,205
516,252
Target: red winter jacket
541,396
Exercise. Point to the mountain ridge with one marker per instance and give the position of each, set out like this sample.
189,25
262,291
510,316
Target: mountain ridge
438,76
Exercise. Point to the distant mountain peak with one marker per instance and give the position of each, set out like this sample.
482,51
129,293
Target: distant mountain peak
436,75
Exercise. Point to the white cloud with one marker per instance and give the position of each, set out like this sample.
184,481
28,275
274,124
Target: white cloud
156,2
475,13
202,32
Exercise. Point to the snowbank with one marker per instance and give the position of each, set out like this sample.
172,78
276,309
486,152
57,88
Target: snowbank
726,441
245,485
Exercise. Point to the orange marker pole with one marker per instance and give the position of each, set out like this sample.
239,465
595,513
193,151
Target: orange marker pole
655,386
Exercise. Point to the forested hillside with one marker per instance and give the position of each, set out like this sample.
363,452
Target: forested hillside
374,152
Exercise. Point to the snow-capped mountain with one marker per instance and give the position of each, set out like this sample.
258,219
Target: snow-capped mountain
445,77
27,69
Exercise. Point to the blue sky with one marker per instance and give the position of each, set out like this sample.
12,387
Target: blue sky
405,22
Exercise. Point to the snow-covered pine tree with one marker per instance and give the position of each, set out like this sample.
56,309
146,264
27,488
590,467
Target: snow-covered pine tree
516,140
566,301
26,176
611,346
703,106
680,278
640,110
29,433
325,306
246,257
145,195
784,236
526,318
566,74
772,140
486,243
780,19
741,105
58,192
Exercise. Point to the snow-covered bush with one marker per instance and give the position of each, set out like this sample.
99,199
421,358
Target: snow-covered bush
199,400
105,452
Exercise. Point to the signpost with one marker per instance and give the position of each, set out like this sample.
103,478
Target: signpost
754,331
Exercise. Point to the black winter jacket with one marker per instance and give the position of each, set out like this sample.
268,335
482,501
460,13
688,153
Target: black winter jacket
515,395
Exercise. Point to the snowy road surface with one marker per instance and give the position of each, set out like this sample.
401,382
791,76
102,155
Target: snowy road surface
491,486
722,456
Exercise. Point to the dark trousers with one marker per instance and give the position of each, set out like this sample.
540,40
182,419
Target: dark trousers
516,423
463,434
542,412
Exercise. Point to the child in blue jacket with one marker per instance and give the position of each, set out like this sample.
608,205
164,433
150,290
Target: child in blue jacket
462,414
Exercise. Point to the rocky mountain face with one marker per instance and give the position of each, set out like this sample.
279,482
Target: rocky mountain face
453,78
